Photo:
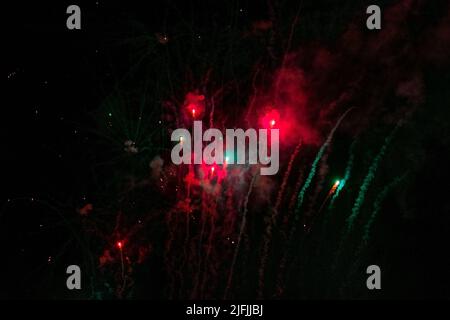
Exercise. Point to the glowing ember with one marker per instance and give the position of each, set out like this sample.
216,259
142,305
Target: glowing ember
270,119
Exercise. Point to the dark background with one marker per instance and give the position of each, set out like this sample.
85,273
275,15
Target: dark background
55,160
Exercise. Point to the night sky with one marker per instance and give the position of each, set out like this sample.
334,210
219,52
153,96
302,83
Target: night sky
88,179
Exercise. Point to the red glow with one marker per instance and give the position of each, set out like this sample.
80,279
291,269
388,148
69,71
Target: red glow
119,245
210,172
270,119
195,105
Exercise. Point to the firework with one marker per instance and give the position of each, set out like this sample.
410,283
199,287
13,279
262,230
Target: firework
362,194
377,207
241,231
319,155
347,173
273,218
367,181
333,189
